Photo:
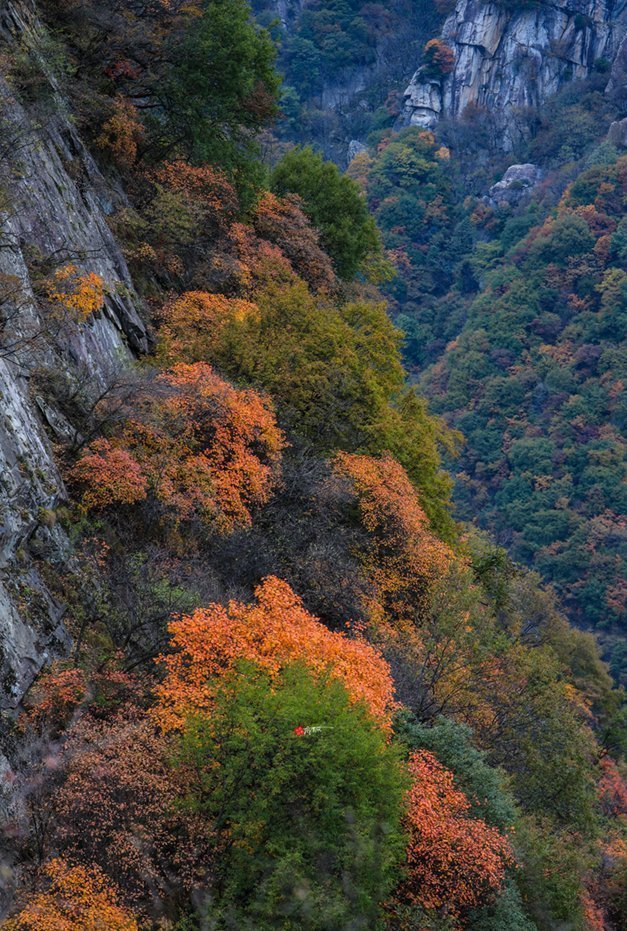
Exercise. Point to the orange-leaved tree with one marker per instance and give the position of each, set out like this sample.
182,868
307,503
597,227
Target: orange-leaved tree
403,558
75,292
108,475
612,789
272,631
454,862
281,221
439,57
201,448
121,133
76,899
194,323
205,190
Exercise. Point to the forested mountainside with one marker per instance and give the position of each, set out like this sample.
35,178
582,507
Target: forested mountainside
256,671
512,296
345,65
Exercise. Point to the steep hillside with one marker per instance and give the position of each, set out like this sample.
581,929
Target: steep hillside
344,64
514,326
256,674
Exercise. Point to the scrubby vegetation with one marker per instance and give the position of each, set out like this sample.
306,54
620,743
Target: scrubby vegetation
301,695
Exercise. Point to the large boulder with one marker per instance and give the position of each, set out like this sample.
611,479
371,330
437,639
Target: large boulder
515,185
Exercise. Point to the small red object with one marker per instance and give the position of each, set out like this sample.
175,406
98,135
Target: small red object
299,730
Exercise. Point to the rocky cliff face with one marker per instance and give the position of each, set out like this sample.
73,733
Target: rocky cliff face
339,107
510,59
53,207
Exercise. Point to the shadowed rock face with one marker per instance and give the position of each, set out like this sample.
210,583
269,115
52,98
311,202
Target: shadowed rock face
54,204
515,185
510,60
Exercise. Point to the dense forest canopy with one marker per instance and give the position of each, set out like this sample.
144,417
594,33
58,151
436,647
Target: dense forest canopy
307,690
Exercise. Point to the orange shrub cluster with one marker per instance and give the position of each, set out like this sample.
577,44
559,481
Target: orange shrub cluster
121,133
109,475
204,449
259,262
612,789
59,692
206,190
77,899
403,558
80,294
55,696
195,321
454,862
272,631
281,221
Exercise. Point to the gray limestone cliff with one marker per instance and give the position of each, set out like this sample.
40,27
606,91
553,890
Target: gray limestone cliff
512,57
53,208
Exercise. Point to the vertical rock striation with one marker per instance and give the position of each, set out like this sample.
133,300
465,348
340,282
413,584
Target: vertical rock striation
53,206
511,57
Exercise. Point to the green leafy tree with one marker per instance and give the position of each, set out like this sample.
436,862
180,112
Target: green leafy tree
337,378
221,89
335,204
306,824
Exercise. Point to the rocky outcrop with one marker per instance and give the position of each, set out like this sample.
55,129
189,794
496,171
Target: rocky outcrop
617,134
53,209
616,89
510,57
515,186
340,103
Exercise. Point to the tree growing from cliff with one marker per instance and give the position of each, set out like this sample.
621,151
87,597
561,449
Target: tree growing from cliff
439,57
75,292
122,133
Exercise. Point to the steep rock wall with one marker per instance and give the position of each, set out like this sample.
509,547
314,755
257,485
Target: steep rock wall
507,60
339,109
53,207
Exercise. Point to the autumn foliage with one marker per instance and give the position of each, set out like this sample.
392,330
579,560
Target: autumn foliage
454,862
439,57
272,631
117,809
55,696
403,558
195,321
79,293
76,899
109,475
205,189
121,133
62,690
203,449
612,789
281,221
